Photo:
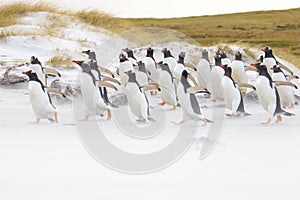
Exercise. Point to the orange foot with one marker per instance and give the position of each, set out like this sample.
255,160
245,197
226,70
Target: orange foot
177,123
109,115
174,107
279,119
162,103
292,105
267,122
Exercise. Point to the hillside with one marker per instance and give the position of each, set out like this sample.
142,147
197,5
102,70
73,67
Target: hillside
278,29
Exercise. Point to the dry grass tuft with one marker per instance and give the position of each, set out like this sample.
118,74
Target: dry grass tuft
60,61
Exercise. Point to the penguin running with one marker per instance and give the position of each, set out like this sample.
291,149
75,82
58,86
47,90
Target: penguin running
142,76
238,70
286,95
232,95
268,94
224,59
130,56
216,77
167,86
137,100
40,99
125,65
150,65
204,72
189,104
94,103
169,59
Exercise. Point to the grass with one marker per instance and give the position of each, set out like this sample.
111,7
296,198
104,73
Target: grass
278,29
60,60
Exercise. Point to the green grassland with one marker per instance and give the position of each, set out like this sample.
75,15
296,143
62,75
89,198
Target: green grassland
278,29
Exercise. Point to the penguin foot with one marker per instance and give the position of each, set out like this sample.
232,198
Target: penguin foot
207,95
267,122
178,123
109,115
174,107
56,117
37,121
141,120
243,94
214,100
162,103
204,122
292,105
233,115
279,119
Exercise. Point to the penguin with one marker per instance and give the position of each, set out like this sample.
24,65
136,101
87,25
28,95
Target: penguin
97,74
169,59
189,104
204,71
179,67
125,65
224,59
167,87
130,56
142,76
268,94
137,100
238,70
94,103
270,60
40,99
232,95
285,93
216,78
42,72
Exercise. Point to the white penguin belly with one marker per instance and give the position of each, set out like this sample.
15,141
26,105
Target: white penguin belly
40,102
238,71
167,87
216,77
285,92
203,73
151,67
265,93
232,97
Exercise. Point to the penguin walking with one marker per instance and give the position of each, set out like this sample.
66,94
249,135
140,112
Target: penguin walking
268,94
169,59
40,99
216,78
94,103
232,95
150,65
137,100
167,86
42,72
189,104
130,56
95,69
224,59
125,65
177,71
142,77
238,70
204,72
286,95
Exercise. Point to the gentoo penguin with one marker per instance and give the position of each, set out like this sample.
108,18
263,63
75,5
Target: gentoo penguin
268,94
137,99
169,59
150,65
286,95
130,56
142,76
204,71
40,100
238,70
167,86
94,103
42,72
224,59
216,77
97,74
269,60
177,71
232,96
189,104
125,65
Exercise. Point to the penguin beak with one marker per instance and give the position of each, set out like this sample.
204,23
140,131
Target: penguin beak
222,66
26,73
85,52
138,62
253,65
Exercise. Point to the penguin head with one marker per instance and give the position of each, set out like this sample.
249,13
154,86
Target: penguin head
141,66
129,52
92,55
268,51
31,75
238,55
260,67
276,69
150,51
166,52
181,57
78,62
217,60
184,74
205,53
87,52
34,60
131,76
164,66
122,58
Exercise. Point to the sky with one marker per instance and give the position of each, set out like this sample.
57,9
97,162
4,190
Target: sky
171,8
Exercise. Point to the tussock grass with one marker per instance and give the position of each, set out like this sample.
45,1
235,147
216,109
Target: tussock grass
60,61
9,13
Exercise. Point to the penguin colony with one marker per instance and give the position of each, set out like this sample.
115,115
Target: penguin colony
176,83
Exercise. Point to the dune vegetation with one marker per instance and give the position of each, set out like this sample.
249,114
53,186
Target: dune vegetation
278,29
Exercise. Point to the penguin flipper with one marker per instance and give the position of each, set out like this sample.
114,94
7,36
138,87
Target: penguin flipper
285,68
106,84
195,89
53,72
110,79
287,113
246,85
107,71
56,91
285,83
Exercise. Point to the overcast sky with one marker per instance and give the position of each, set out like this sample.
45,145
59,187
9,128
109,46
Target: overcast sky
172,8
